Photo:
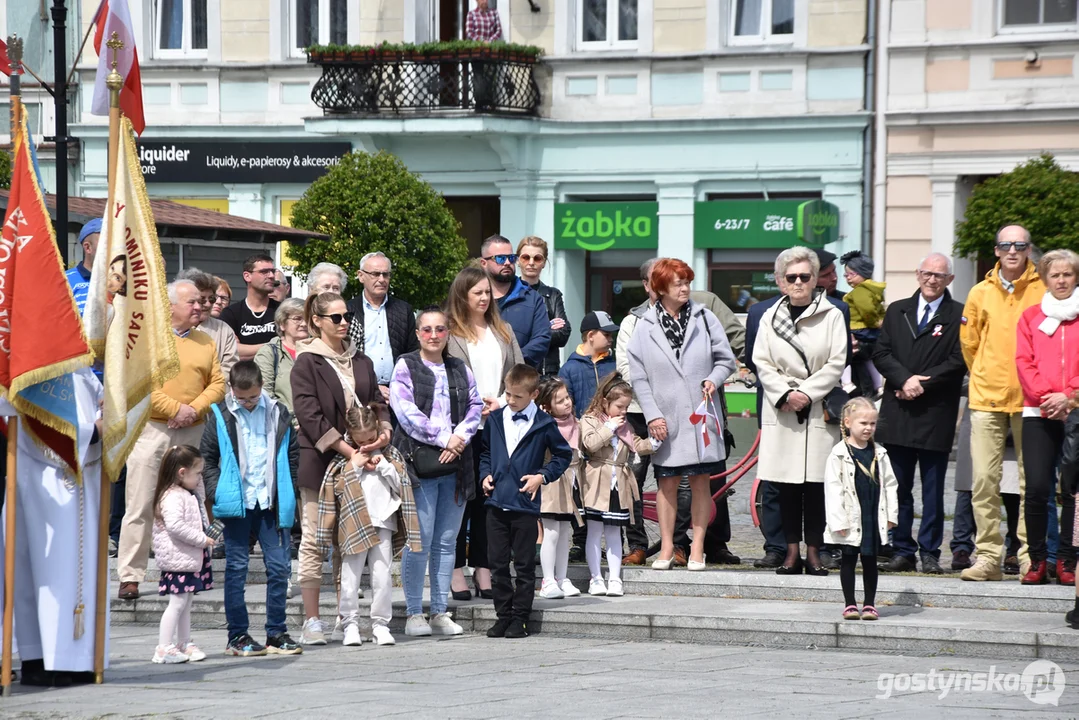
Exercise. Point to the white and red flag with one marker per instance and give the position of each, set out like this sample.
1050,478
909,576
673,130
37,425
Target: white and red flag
113,16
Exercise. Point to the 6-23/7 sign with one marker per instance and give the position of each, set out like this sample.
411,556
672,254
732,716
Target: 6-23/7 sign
764,224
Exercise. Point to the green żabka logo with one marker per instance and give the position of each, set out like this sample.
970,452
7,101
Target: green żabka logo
601,226
818,222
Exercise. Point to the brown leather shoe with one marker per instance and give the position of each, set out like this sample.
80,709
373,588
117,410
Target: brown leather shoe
637,557
679,558
129,591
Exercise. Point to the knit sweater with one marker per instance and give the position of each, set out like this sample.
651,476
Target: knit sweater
199,384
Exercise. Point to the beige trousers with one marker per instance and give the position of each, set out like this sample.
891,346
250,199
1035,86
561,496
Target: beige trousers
988,432
142,468
309,556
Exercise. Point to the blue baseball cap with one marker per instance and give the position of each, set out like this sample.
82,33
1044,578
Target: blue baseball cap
94,226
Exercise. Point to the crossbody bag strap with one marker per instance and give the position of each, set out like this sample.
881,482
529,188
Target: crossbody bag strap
455,405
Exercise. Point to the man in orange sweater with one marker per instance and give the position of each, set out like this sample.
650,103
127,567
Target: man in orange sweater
176,415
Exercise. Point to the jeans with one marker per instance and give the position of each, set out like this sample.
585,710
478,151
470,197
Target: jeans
1054,527
440,520
275,544
963,523
932,466
116,516
772,519
1042,441
509,531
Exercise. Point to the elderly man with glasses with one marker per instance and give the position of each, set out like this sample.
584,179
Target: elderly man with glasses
919,356
383,327
521,307
988,335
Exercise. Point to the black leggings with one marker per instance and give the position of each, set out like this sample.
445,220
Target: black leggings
802,503
1042,440
869,578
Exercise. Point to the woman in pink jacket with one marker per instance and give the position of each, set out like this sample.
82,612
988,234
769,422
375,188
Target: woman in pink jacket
1047,357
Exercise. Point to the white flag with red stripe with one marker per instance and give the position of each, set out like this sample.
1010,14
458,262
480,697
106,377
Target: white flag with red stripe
113,16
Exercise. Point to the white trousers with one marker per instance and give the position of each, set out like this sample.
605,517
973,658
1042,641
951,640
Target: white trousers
379,558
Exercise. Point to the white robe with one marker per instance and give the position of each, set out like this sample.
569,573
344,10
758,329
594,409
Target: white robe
47,544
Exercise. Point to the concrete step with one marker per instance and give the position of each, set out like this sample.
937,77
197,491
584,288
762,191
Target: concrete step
915,630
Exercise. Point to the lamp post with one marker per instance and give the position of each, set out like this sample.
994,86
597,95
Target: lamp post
60,138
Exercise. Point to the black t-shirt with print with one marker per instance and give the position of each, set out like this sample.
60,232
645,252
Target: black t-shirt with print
250,329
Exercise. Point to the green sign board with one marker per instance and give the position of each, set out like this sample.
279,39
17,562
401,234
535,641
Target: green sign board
598,226
764,224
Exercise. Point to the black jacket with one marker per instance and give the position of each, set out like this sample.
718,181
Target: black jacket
400,320
927,422
552,298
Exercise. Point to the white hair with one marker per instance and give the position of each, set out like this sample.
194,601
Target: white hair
934,255
174,286
372,255
797,254
323,269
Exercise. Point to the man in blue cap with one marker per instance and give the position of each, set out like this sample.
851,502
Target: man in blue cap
79,276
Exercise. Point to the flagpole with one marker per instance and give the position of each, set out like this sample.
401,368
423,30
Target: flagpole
115,82
14,43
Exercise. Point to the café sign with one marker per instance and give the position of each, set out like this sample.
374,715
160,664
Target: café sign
764,223
599,226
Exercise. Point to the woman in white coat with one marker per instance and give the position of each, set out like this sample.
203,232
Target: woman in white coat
800,353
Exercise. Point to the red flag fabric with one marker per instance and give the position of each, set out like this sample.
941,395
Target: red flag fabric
5,63
131,93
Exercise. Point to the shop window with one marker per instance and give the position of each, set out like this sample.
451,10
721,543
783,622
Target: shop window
756,22
606,24
317,22
180,27
1027,15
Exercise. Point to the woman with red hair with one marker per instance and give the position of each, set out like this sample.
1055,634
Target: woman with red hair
678,357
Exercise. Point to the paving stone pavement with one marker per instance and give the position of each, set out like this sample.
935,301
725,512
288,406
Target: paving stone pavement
476,677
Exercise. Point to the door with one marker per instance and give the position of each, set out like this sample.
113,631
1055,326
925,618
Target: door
616,291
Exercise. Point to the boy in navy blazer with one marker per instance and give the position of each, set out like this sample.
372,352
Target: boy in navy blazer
516,442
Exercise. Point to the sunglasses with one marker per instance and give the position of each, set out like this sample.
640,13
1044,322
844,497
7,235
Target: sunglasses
503,259
377,273
530,258
804,277
437,330
337,318
1009,246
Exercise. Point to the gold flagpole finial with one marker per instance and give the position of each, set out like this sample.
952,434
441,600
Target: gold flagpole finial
114,80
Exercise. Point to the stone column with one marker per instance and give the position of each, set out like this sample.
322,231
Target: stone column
676,200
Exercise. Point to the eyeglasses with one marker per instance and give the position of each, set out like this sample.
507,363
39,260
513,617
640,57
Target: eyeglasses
337,318
437,330
530,258
298,319
222,299
378,273
1009,246
804,277
926,275
248,400
503,259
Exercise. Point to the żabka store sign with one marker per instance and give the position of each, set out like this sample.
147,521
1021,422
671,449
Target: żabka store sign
776,224
194,161
599,226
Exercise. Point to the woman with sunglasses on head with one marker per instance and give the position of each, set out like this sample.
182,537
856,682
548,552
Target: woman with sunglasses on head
531,259
329,377
800,353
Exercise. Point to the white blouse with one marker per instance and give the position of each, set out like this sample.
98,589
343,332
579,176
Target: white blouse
485,357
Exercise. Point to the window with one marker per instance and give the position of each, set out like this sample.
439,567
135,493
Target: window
762,21
607,23
317,22
181,28
1037,14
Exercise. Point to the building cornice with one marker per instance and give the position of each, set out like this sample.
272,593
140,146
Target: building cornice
998,42
975,162
1067,112
737,51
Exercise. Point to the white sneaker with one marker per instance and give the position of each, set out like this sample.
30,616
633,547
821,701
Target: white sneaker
551,591
443,624
312,632
596,587
338,633
291,590
569,588
416,626
382,636
614,588
169,655
193,653
351,636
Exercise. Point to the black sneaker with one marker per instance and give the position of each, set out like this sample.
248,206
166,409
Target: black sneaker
517,629
498,629
244,646
1069,618
282,645
770,560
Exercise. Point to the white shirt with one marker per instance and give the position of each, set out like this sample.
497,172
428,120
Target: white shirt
382,491
933,307
517,429
485,357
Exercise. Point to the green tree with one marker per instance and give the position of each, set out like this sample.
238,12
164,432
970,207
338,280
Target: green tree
5,169
1039,195
370,203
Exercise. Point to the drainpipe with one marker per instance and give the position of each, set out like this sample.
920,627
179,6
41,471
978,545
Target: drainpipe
868,133
880,151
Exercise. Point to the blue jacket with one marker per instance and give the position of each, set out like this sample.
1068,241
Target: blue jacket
528,459
79,280
582,377
526,312
221,470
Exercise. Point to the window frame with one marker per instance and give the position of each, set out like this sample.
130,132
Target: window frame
324,18
765,37
185,51
1035,29
612,43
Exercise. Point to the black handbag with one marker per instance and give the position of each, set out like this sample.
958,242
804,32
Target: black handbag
423,458
833,404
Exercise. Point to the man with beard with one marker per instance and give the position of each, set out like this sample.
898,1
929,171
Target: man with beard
521,306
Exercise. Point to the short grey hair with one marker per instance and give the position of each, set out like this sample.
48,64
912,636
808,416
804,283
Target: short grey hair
646,267
324,268
934,255
287,308
372,255
797,254
204,282
174,286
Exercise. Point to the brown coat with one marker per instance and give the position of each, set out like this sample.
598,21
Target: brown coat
599,458
557,498
319,405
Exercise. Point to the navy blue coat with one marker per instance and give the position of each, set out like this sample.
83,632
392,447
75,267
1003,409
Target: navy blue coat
526,312
582,376
530,458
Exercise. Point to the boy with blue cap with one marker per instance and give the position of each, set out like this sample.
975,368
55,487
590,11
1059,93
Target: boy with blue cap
79,276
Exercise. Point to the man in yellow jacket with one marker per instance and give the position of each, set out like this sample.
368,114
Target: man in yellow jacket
988,333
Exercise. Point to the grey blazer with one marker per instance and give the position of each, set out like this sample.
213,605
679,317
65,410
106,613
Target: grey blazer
457,347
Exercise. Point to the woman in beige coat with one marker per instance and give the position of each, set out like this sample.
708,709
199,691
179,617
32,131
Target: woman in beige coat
800,353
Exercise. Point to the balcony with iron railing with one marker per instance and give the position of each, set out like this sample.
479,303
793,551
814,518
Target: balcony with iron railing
446,78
